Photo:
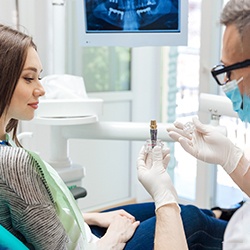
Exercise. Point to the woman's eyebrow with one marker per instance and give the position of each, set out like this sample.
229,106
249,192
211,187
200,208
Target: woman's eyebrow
32,69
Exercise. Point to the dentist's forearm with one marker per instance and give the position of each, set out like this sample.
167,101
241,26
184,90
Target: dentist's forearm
241,175
169,232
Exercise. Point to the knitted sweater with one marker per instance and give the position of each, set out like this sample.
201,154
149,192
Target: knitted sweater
26,209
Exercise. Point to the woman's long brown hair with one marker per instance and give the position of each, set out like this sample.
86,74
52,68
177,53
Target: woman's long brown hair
13,52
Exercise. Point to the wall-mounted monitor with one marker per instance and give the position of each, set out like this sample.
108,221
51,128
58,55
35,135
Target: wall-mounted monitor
133,23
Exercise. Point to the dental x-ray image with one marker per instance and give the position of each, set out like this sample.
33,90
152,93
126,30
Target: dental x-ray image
132,15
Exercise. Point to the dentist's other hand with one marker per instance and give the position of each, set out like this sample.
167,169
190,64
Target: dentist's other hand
151,170
207,144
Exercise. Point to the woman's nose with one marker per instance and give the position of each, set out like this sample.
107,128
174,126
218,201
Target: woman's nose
39,91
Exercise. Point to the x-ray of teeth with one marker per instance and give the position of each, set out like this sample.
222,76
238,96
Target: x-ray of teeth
132,15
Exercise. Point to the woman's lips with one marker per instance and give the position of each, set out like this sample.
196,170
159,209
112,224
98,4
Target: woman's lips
33,105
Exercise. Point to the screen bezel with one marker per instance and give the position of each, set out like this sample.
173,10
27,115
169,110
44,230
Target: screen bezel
133,39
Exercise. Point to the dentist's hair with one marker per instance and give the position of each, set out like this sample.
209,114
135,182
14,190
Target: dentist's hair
14,47
237,12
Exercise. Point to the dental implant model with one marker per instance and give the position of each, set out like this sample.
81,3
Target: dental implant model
153,132
189,127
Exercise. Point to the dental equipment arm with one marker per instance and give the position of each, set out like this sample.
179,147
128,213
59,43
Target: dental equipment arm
151,169
127,131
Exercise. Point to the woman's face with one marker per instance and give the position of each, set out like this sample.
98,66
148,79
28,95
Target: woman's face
24,101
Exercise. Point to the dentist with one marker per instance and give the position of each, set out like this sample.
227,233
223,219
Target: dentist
204,143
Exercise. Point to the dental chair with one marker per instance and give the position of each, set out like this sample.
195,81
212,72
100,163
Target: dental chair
9,242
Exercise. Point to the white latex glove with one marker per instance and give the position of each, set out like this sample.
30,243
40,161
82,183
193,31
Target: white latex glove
207,144
151,170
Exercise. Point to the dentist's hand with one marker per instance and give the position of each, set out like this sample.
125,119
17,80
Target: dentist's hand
207,144
151,170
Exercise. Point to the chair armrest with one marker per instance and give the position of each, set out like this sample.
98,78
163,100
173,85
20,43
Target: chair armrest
78,192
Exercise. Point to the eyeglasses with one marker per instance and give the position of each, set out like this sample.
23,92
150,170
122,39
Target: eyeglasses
222,73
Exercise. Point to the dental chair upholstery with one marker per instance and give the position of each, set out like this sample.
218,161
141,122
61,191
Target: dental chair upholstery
9,242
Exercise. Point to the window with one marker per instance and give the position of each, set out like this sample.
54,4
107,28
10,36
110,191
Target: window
106,68
187,96
103,68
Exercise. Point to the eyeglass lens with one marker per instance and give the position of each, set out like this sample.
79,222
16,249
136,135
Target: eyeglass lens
223,78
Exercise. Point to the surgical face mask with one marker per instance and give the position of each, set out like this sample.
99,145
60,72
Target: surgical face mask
241,104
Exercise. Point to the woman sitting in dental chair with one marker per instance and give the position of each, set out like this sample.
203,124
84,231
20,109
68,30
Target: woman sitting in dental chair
35,204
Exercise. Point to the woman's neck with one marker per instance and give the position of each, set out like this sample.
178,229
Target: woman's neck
3,138
2,130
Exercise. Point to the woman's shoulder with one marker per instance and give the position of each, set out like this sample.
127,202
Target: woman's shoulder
13,155
19,173
9,149
15,161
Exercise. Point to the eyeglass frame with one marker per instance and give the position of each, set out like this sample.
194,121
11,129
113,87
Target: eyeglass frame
228,69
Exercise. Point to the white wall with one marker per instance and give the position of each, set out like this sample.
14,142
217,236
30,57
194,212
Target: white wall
39,22
7,12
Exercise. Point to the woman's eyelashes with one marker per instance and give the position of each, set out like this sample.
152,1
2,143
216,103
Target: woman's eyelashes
30,79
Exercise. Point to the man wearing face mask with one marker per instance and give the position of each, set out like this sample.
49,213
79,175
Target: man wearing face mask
208,145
